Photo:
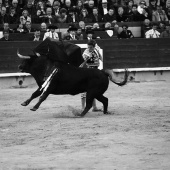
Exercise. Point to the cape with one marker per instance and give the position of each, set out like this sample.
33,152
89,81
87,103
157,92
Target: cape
60,51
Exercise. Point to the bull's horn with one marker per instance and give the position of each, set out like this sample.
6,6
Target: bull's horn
22,56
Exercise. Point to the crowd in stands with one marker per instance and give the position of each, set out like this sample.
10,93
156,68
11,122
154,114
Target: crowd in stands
46,13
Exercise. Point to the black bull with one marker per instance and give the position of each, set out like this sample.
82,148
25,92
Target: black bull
69,80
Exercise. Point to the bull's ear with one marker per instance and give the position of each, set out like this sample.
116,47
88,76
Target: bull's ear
22,56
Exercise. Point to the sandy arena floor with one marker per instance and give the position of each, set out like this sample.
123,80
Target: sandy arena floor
135,137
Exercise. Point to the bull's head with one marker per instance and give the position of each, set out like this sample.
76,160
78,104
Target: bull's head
27,63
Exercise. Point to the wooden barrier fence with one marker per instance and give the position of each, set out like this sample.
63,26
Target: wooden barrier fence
130,53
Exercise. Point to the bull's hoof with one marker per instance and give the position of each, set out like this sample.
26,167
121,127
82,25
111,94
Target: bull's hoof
24,104
33,109
107,113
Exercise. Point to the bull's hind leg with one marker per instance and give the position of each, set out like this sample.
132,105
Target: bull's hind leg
103,100
33,96
41,99
89,102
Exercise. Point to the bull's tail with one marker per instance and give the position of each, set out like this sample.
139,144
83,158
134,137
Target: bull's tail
111,75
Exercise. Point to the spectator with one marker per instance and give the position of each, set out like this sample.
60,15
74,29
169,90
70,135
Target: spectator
68,6
84,16
152,33
92,56
168,13
37,19
96,17
25,17
128,8
143,11
166,33
56,8
89,6
121,16
6,28
152,6
28,27
96,26
134,15
63,16
71,34
43,27
49,18
16,7
82,25
13,19
37,36
41,6
51,33
90,34
7,5
145,27
159,15
110,16
30,8
103,7
161,26
3,16
111,31
5,36
19,29
79,34
72,17
79,7
125,34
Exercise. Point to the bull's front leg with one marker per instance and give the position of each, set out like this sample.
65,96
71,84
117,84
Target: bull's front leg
33,96
41,99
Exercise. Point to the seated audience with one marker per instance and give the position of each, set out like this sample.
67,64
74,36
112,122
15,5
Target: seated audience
82,25
56,8
43,27
145,27
13,19
152,33
121,16
5,36
110,16
166,32
62,17
79,7
6,28
24,17
95,16
89,34
103,7
28,27
159,15
79,34
71,34
19,29
143,11
72,17
49,18
84,16
36,36
125,34
3,16
52,33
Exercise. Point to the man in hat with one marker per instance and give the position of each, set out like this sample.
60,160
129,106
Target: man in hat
152,33
90,34
52,33
92,58
125,34
71,34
